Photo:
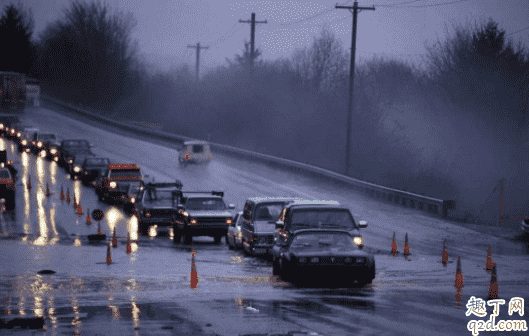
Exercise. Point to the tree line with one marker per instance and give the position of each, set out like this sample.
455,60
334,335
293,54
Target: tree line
439,130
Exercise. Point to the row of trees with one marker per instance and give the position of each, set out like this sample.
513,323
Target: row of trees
446,130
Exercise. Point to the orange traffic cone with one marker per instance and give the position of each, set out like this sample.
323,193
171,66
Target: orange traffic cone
48,193
394,245
62,193
493,285
29,182
68,196
406,247
114,239
99,228
129,248
445,255
459,282
88,218
489,263
458,296
79,210
109,255
194,274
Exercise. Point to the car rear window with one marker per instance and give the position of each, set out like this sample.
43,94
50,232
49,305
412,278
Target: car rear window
323,218
205,204
125,173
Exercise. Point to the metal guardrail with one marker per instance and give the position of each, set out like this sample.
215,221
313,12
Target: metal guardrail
428,204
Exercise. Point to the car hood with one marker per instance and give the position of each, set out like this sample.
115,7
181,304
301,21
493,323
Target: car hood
211,213
264,227
125,179
329,252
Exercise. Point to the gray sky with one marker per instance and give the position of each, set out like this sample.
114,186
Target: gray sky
396,28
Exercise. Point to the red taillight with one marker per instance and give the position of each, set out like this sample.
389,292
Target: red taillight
187,156
229,221
193,221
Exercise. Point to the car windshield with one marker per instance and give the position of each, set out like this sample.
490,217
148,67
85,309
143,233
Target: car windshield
75,144
159,195
205,204
46,137
97,162
125,173
268,211
198,148
4,174
78,160
322,241
322,219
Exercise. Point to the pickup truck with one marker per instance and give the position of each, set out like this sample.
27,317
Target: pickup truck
70,148
121,184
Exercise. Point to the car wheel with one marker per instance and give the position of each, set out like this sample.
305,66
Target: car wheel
217,239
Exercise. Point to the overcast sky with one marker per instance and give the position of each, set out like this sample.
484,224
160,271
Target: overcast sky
396,28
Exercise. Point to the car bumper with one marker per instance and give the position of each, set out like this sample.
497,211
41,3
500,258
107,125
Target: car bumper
331,272
210,231
157,220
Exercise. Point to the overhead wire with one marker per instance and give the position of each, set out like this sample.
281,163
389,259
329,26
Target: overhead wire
314,16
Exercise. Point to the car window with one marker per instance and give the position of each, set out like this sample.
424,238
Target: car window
97,162
205,204
322,218
159,195
4,174
198,148
46,137
268,211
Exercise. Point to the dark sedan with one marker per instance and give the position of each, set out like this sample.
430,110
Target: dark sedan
323,257
93,167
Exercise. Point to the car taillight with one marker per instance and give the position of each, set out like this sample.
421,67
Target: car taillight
147,214
187,156
193,221
229,221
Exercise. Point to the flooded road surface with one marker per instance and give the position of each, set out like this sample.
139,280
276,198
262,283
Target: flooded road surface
152,291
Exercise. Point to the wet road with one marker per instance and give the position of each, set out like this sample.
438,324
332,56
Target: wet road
148,291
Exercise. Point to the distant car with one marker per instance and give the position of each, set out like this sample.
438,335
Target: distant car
157,204
24,138
75,169
202,213
7,188
259,223
194,152
4,163
122,183
326,257
45,142
72,147
94,167
8,121
234,236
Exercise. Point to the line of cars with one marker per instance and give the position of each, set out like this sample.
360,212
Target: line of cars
315,240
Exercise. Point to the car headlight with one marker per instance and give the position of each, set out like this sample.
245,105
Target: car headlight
1,126
229,221
39,144
239,234
42,154
24,142
77,169
359,241
360,260
70,161
132,200
315,260
113,185
303,260
19,134
193,221
348,260
53,151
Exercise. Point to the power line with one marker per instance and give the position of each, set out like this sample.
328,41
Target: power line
314,16
432,5
215,42
399,3
516,32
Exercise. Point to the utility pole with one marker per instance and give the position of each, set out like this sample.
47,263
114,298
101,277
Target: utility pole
355,10
252,40
198,47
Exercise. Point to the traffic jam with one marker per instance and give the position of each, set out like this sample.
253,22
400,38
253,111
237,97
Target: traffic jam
140,244
299,236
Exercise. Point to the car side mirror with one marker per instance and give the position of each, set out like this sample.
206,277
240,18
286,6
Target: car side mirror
231,206
280,225
362,224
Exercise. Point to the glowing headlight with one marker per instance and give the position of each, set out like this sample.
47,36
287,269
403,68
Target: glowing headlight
39,144
70,161
1,126
12,131
56,159
229,221
19,134
77,169
239,234
359,241
2,165
193,221
53,151
133,200
42,154
24,142
141,188
113,184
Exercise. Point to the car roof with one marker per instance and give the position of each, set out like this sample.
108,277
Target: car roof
118,166
272,199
